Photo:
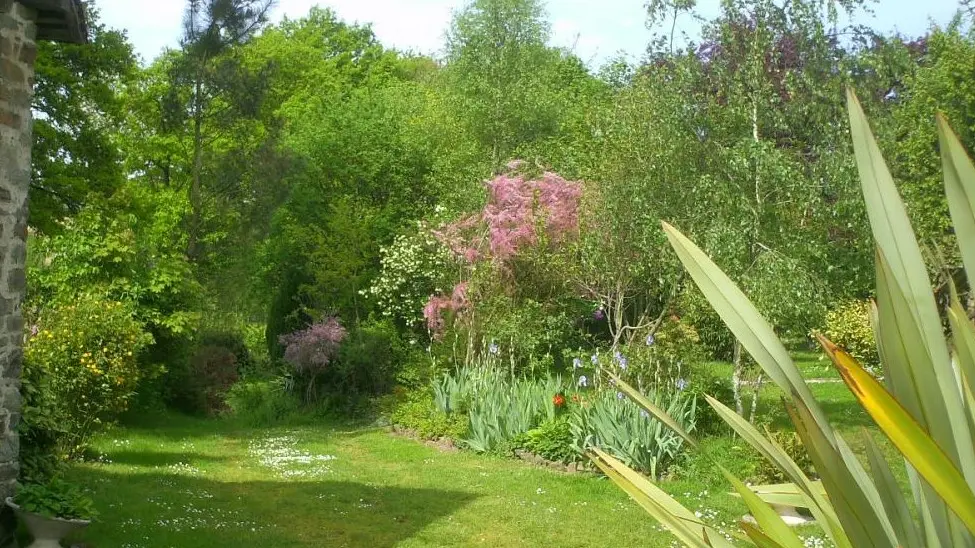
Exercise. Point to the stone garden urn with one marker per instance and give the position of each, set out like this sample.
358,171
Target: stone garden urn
47,532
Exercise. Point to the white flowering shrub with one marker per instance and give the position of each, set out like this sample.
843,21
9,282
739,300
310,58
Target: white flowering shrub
414,267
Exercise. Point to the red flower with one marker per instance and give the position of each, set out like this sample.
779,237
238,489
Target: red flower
558,400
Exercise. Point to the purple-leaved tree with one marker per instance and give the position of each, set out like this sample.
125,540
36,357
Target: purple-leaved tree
311,350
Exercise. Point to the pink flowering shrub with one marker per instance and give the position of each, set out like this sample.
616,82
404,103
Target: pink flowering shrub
520,213
460,237
437,306
310,350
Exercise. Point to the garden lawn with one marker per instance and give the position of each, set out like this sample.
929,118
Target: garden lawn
184,483
181,482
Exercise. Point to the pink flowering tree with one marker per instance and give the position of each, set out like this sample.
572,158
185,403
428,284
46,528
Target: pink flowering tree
523,214
311,350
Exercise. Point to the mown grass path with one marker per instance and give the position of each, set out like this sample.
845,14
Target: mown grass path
184,483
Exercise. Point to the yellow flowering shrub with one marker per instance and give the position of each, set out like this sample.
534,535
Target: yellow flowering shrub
80,370
848,325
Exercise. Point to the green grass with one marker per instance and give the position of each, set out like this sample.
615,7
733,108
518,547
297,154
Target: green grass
183,482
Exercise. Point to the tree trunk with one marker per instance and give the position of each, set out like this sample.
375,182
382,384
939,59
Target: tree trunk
196,186
736,379
759,383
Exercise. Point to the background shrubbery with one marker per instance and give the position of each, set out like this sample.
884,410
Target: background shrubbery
81,371
849,326
355,226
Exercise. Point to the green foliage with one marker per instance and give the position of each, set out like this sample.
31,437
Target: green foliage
924,409
715,338
709,379
506,413
674,355
497,406
262,403
940,80
233,342
849,326
285,314
551,440
79,105
497,61
55,498
124,249
368,361
533,334
80,373
211,373
418,413
767,472
417,369
414,267
608,420
500,409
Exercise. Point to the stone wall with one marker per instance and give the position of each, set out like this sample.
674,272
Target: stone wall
18,51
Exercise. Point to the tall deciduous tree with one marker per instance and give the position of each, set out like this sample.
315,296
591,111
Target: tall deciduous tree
499,66
212,91
762,92
79,108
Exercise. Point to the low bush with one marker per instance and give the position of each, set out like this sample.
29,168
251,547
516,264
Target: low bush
55,498
212,372
262,403
707,379
716,339
417,369
768,473
342,370
310,352
552,440
418,413
80,372
530,334
848,325
367,361
665,358
233,342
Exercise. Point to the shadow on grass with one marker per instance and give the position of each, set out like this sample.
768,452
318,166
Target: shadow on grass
150,510
155,458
